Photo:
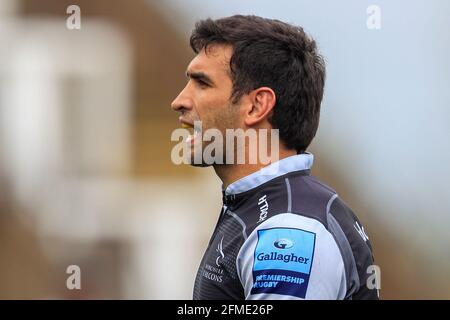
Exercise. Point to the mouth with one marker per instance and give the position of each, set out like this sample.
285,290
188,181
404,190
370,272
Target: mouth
195,131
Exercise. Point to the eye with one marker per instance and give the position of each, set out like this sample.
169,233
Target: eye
202,84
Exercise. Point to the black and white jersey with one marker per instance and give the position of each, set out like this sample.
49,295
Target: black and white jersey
283,234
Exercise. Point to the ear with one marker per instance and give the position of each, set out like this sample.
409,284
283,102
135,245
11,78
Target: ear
262,102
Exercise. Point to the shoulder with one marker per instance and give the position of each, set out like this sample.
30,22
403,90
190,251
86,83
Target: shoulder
291,256
301,195
303,242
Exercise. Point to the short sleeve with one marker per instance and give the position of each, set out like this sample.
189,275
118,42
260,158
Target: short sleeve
290,256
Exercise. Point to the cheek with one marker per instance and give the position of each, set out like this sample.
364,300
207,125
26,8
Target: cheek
227,119
216,114
233,117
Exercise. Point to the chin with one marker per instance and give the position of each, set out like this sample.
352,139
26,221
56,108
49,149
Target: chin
201,165
197,163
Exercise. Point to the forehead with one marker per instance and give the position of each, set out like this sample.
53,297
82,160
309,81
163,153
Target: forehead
215,61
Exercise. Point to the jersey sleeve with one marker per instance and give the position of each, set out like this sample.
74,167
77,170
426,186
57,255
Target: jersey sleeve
290,256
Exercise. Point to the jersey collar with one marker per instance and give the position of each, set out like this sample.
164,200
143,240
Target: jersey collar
297,162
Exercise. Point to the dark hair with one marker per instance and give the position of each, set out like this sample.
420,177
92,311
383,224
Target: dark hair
278,55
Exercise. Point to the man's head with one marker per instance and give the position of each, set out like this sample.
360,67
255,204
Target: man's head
252,72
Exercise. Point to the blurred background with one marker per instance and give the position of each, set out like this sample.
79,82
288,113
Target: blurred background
86,177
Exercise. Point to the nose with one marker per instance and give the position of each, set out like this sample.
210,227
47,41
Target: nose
182,102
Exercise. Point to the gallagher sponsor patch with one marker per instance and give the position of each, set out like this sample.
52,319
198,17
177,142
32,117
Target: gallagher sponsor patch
282,261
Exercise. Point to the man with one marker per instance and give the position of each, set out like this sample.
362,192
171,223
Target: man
281,234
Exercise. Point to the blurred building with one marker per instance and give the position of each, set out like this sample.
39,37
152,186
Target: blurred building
85,154
85,172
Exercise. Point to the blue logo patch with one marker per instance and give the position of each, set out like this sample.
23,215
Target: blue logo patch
283,261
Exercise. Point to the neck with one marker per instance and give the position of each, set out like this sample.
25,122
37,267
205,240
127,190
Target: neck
230,173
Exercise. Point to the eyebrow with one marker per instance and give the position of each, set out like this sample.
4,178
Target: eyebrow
199,76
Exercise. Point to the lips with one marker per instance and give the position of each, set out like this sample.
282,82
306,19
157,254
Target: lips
195,131
186,125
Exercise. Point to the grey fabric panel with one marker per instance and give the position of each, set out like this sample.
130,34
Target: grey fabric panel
310,197
351,271
289,193
234,215
330,202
